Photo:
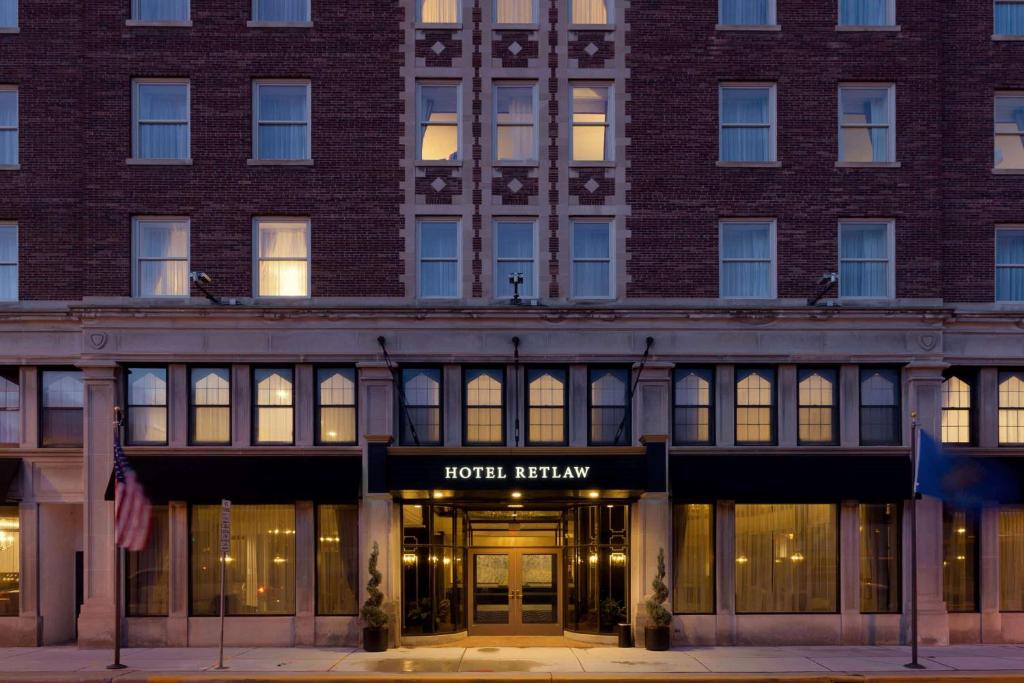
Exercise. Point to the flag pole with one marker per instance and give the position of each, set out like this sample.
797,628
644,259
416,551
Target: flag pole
915,440
117,567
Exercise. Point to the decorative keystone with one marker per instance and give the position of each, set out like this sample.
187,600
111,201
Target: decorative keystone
438,184
590,49
437,47
514,185
515,48
591,186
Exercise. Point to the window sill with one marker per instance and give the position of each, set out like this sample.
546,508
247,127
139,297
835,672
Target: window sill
10,167
868,164
591,164
1007,38
419,25
279,162
895,28
591,27
10,29
158,162
279,24
163,24
748,164
516,164
1008,171
748,27
440,162
516,27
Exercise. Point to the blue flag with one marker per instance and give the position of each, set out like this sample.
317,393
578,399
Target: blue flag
967,482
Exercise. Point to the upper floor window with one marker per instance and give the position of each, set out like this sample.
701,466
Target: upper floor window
867,12
1009,126
421,419
515,252
8,14
336,405
547,420
747,123
8,125
879,407
592,259
439,116
818,406
282,257
438,11
210,406
867,124
160,10
161,247
591,116
281,120
694,390
161,120
281,11
592,12
1009,18
515,122
10,407
1011,408
274,403
8,262
609,406
514,12
484,391
1010,264
439,259
63,393
956,410
746,12
747,252
147,406
865,260
755,406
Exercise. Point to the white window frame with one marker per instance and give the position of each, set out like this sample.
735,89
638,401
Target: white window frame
137,123
573,260
421,123
13,28
890,124
996,135
495,126
256,85
137,224
772,124
890,257
534,257
773,270
420,259
419,15
15,262
773,18
890,17
535,11
137,21
609,4
257,258
1004,2
256,21
609,124
1003,227
16,127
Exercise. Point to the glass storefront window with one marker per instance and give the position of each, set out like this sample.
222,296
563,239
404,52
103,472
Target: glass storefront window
260,566
960,559
694,566
786,558
337,559
1011,559
146,571
879,558
433,569
10,562
597,568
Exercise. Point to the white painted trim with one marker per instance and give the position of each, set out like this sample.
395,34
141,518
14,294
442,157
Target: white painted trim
137,223
890,124
772,124
256,85
136,123
257,258
773,254
458,256
890,255
612,271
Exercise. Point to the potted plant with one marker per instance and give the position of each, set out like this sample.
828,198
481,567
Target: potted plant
375,633
657,635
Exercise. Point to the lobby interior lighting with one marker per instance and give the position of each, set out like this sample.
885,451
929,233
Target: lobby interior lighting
515,505
438,494
594,494
409,558
617,558
517,494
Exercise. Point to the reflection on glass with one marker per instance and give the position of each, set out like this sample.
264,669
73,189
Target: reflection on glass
421,420
146,572
490,589
1011,407
597,568
539,588
1011,559
433,566
10,562
439,122
960,559
63,395
864,125
609,403
693,405
337,559
10,406
879,558
514,121
590,112
1009,127
694,567
879,406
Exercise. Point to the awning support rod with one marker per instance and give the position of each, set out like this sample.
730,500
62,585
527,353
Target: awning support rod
632,391
515,385
401,390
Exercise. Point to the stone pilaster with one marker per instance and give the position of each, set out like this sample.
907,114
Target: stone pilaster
725,571
849,573
988,548
305,574
652,404
652,532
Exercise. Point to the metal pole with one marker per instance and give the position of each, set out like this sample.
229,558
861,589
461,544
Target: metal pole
220,655
117,610
914,664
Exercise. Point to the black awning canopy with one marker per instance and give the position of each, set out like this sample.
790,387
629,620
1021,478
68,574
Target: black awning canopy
9,468
247,479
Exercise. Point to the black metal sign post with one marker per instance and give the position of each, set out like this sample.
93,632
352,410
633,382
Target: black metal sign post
225,547
914,439
118,556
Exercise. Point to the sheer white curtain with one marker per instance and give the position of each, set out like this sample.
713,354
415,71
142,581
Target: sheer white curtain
274,405
282,10
1009,131
746,260
439,259
147,405
591,260
147,572
283,259
590,11
514,11
8,13
1009,265
1009,18
746,12
163,121
10,406
337,559
864,260
337,405
439,11
515,122
283,130
1011,559
864,12
439,122
514,254
865,122
693,587
159,10
163,258
8,126
8,262
211,405
746,124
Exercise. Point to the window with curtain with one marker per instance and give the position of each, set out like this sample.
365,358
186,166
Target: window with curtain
956,410
747,252
161,120
8,13
10,406
546,410
1011,559
162,257
283,257
63,393
591,115
8,262
147,571
865,260
515,122
147,406
693,568
694,388
8,125
817,406
609,406
1009,17
210,406
746,12
421,419
591,12
10,562
439,121
1011,408
285,11
867,12
336,405
337,560
755,406
484,395
433,588
438,11
274,399
866,123
160,10
260,569
439,260
514,252
747,123
879,558
282,121
879,407
1010,264
591,259
786,558
960,559
514,12
1009,128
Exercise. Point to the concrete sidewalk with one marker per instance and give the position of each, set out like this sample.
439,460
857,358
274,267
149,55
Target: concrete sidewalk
827,664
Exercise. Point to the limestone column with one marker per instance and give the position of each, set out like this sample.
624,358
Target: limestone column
652,403
305,574
988,547
653,532
30,623
786,429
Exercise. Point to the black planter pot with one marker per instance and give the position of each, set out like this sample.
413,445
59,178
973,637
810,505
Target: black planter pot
656,638
625,632
375,639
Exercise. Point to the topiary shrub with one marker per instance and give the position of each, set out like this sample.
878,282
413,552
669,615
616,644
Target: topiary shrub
655,604
372,612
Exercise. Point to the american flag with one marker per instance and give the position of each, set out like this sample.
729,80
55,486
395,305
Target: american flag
131,507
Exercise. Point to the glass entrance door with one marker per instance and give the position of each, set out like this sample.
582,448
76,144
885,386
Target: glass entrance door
515,591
